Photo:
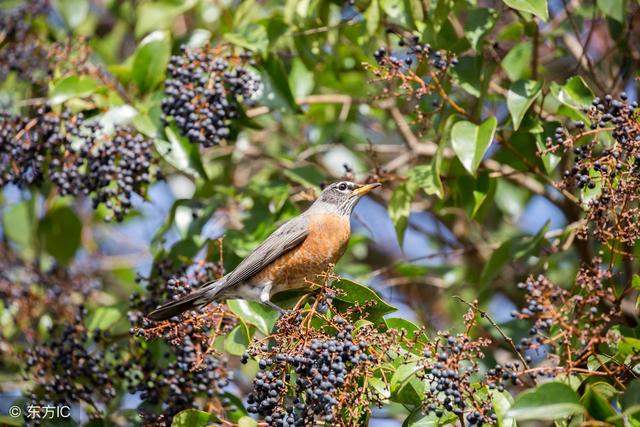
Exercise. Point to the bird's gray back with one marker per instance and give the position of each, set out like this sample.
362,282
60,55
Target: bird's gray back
286,237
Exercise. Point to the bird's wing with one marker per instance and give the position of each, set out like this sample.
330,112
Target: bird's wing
286,237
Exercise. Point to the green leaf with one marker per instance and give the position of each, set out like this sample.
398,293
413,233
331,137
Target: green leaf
502,401
254,313
425,178
380,387
372,17
470,142
399,11
252,36
180,153
613,9
401,324
150,60
74,12
630,400
511,250
357,293
103,318
517,63
160,15
72,87
400,207
247,421
467,76
18,223
236,341
536,7
193,418
596,404
7,420
549,160
520,97
60,231
575,93
277,92
405,386
548,401
478,23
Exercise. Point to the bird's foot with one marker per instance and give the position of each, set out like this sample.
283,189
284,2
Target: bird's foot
275,307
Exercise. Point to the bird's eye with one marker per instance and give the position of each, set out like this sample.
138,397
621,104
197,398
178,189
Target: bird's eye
342,187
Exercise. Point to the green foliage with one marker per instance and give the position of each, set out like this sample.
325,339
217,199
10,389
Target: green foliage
477,117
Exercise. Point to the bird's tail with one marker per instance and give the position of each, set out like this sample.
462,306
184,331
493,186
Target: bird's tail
203,296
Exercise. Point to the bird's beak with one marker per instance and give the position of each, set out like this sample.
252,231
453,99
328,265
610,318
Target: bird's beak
366,188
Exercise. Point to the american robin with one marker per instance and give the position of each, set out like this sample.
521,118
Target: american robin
302,248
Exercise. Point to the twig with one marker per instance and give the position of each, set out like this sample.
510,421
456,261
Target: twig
508,339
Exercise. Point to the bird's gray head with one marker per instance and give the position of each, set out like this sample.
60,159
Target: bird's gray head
341,197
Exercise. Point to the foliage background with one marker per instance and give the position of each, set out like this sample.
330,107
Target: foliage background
465,210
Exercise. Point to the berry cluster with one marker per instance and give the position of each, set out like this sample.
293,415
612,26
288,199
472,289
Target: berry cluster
419,69
72,366
28,294
451,363
21,52
563,320
78,157
610,171
205,91
319,379
195,370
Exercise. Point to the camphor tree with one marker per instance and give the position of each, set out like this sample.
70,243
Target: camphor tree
146,147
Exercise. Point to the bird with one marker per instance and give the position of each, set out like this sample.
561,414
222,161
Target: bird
296,252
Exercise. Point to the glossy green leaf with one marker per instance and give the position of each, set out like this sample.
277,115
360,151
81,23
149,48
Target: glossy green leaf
237,341
575,93
252,37
614,9
180,153
193,418
150,60
353,292
517,63
405,386
380,387
400,207
410,329
254,313
425,178
596,404
548,401
479,22
470,142
536,7
103,318
418,419
502,401
466,74
520,97
549,160
277,92
18,223
60,231
72,87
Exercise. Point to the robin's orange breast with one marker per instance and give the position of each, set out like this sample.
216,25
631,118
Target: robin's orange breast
325,243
